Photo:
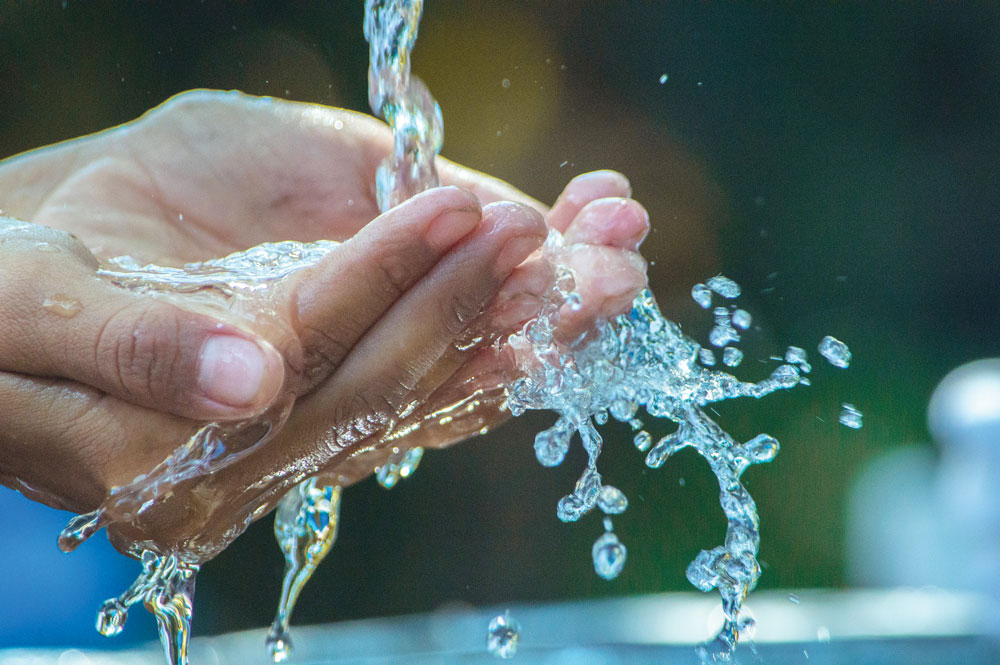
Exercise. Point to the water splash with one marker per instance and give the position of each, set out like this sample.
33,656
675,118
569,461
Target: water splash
305,526
643,360
166,588
241,285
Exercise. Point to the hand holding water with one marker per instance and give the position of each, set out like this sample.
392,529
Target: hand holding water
105,382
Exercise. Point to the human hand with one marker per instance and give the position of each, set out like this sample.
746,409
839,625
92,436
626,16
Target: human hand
189,186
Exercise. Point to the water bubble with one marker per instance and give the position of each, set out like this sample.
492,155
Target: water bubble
835,351
702,295
762,448
724,286
502,636
62,305
795,355
612,500
850,416
551,446
707,357
111,618
721,335
622,409
742,319
732,356
505,83
643,440
609,556
278,644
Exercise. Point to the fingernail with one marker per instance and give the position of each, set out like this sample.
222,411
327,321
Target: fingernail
232,370
449,227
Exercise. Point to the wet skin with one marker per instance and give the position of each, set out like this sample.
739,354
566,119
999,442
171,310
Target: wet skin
371,343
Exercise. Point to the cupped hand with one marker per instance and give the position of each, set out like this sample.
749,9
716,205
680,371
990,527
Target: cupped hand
99,384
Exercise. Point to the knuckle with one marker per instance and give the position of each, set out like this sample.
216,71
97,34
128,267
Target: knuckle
357,419
138,350
393,273
459,310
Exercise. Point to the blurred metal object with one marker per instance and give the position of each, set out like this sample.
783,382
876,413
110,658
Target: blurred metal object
964,410
898,626
919,518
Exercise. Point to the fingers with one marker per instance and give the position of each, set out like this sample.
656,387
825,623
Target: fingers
613,222
58,319
582,190
403,357
69,444
340,298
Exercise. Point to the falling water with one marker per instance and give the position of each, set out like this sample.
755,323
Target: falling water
639,360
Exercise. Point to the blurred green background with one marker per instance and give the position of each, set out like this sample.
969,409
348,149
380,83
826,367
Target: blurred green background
840,161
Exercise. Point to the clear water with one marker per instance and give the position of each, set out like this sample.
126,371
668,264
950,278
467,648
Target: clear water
835,352
502,636
640,360
305,526
850,416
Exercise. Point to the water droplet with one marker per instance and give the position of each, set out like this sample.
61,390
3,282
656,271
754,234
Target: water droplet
623,410
643,440
742,319
850,416
111,618
278,644
551,445
612,500
46,247
762,448
702,295
792,598
339,124
663,78
835,351
502,636
823,634
609,556
724,286
707,357
62,305
505,83
795,354
732,356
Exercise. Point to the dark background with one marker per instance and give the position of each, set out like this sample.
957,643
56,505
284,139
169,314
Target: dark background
838,160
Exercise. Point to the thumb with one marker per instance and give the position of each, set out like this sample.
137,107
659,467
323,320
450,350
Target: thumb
58,319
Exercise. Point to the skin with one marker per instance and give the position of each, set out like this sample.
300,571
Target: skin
371,344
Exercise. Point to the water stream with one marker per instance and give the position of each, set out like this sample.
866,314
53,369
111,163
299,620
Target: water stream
638,361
